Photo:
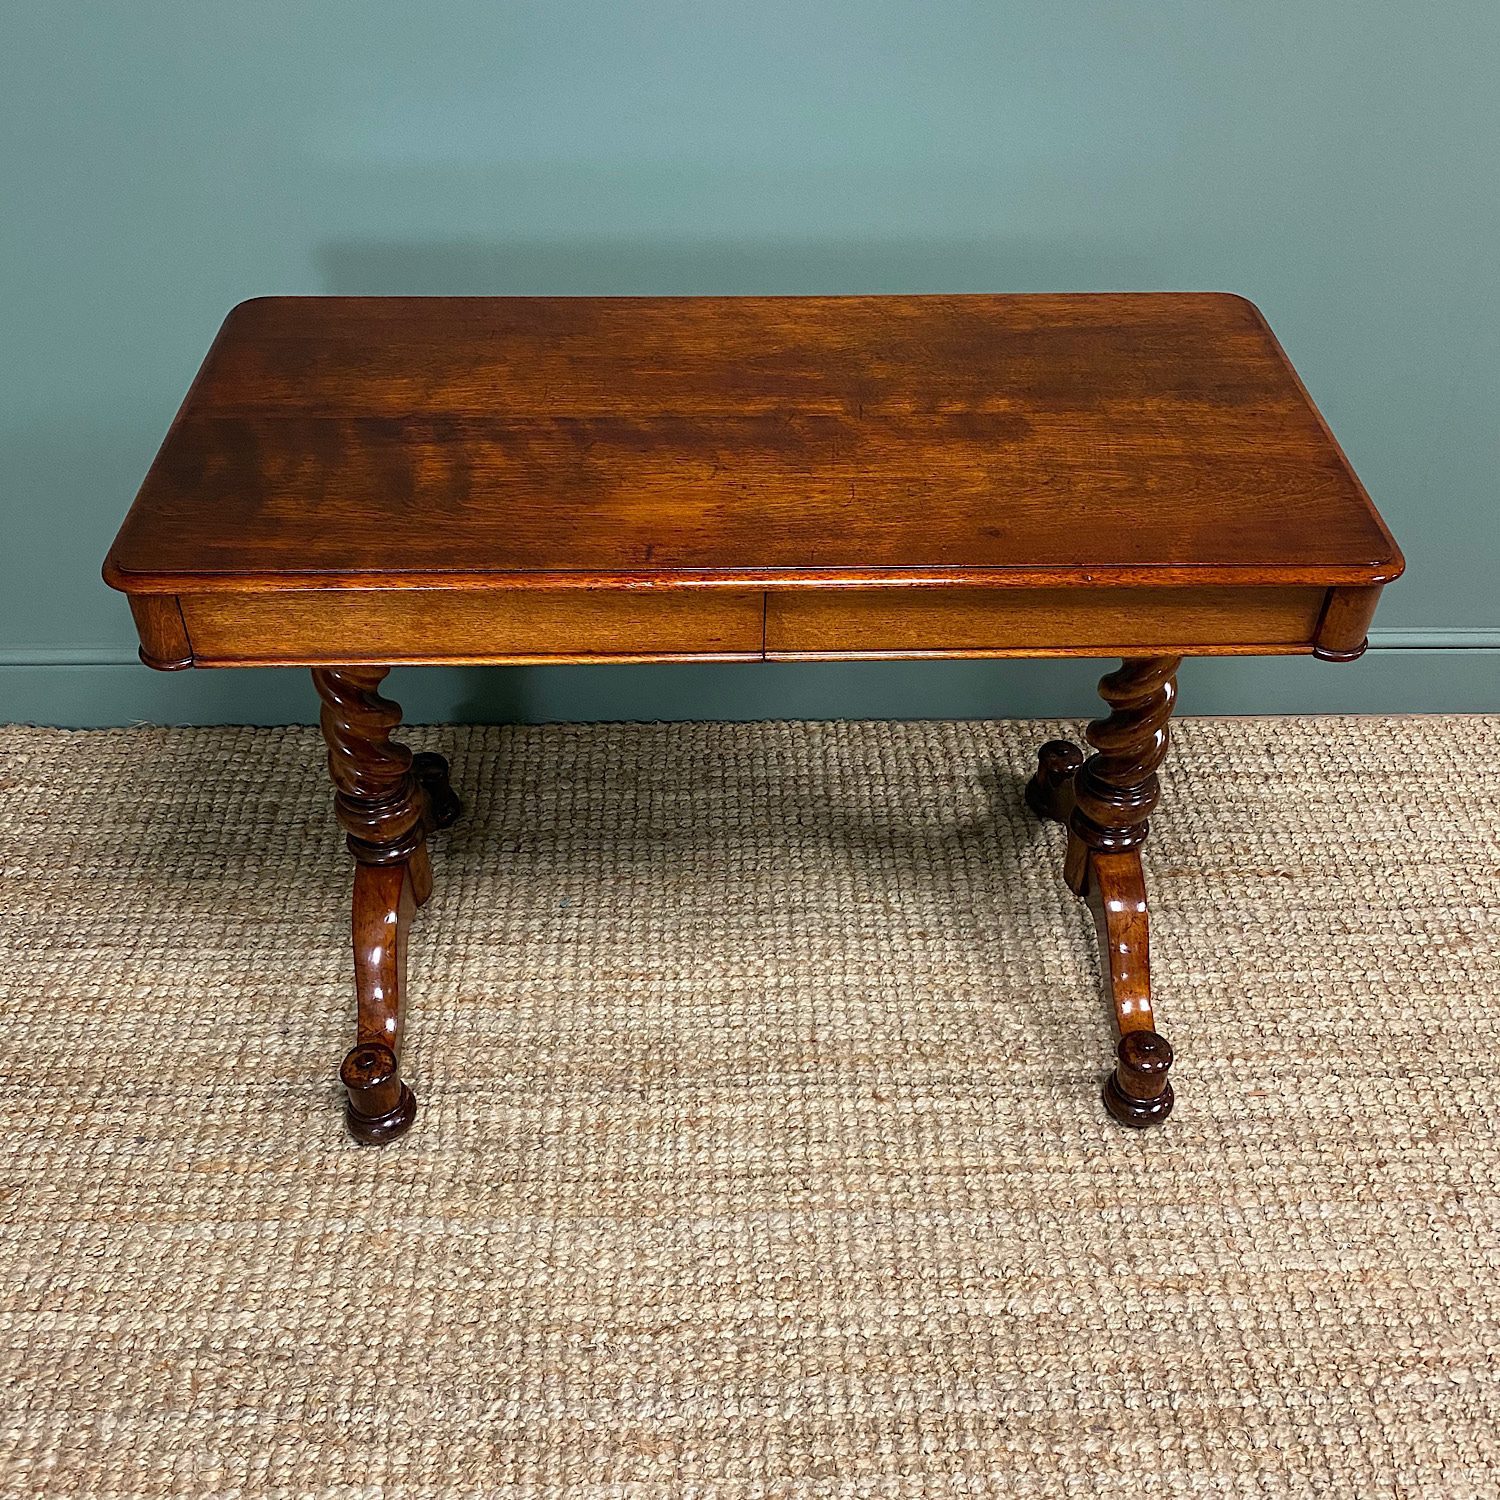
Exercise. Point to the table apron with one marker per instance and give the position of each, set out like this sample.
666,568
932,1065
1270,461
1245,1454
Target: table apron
342,626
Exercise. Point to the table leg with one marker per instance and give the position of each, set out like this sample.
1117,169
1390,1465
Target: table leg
1106,801
387,801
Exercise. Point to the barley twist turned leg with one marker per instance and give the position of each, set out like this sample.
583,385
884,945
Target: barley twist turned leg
387,801
1106,802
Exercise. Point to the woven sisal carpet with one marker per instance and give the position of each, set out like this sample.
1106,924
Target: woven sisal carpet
760,1152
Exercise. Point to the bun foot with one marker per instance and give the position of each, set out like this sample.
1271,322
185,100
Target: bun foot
1048,792
431,772
380,1106
1137,1092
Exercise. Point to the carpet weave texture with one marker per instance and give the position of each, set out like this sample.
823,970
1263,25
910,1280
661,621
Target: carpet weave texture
759,1150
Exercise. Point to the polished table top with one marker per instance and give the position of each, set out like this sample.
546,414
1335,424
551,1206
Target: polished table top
1145,438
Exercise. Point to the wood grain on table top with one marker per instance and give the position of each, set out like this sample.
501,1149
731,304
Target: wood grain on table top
766,441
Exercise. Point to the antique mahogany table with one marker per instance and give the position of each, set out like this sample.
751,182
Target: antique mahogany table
353,483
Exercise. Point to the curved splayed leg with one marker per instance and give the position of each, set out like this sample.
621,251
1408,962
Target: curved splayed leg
1106,801
387,801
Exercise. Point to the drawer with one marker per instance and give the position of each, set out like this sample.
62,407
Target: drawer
341,626
1041,622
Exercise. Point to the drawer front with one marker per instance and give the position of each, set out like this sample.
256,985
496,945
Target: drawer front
1042,622
342,626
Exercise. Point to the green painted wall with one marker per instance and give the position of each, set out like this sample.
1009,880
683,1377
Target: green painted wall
160,161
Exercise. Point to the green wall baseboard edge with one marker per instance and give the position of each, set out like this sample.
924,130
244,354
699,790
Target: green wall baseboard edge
1401,673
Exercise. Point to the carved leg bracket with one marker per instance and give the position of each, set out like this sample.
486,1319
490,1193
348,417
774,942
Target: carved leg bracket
387,801
1106,802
